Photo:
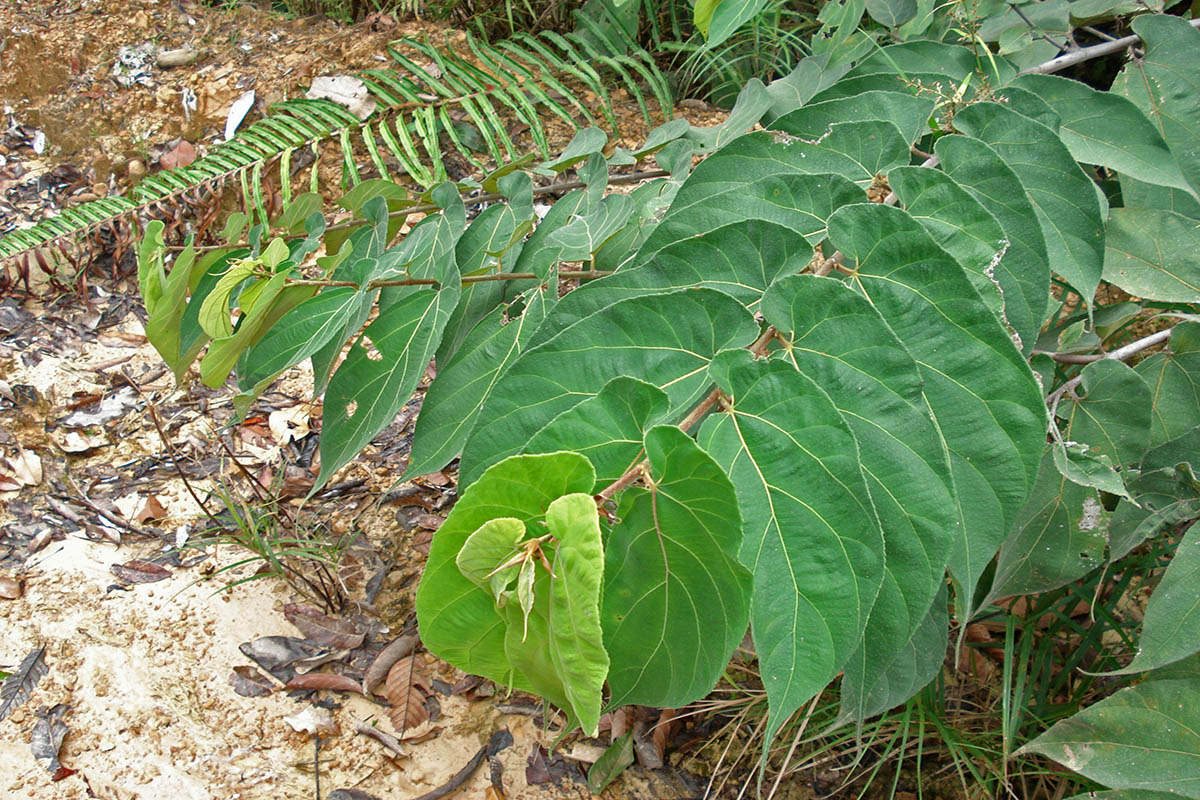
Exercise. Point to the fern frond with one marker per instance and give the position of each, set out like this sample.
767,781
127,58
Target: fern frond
488,87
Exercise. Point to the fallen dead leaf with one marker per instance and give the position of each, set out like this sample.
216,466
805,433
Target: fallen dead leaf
183,155
327,681
151,509
79,442
388,656
139,571
25,468
323,628
408,702
249,682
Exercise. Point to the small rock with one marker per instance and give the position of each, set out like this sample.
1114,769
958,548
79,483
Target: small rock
136,169
10,588
179,57
693,104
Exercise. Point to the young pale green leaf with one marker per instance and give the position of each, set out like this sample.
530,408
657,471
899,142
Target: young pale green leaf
720,19
192,337
1174,377
491,545
1165,84
740,259
907,112
1145,738
1062,195
152,277
453,400
812,74
526,635
214,310
1024,270
1110,412
837,339
1059,536
676,600
966,230
539,255
983,394
380,374
164,323
608,428
1107,129
576,640
459,621
665,340
811,537
273,302
1171,628
1153,254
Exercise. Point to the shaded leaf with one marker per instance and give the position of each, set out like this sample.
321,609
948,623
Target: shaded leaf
1153,254
611,763
1111,412
1146,737
1174,379
249,682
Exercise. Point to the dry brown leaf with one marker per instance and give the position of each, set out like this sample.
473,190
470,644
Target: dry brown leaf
249,682
183,155
322,628
663,730
139,571
429,521
25,468
151,509
408,702
388,656
326,681
121,339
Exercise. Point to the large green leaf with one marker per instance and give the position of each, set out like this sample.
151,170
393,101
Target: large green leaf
1153,254
1107,129
1146,737
1171,628
576,640
1168,496
966,230
1024,270
907,112
837,339
676,600
380,374
857,151
801,203
724,17
952,63
1062,195
1059,536
907,672
1165,84
665,340
608,428
740,259
1110,412
983,395
459,621
298,334
892,13
1174,377
812,539
453,400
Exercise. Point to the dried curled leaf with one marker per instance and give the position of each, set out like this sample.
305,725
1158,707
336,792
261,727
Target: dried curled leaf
408,702
323,628
18,686
378,671
139,571
249,682
47,737
326,681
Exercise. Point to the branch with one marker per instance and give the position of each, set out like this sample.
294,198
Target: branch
1088,53
1120,354
495,276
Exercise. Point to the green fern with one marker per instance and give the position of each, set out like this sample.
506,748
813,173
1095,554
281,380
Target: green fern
453,101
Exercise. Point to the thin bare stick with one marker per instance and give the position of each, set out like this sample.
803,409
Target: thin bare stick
1120,354
1088,53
